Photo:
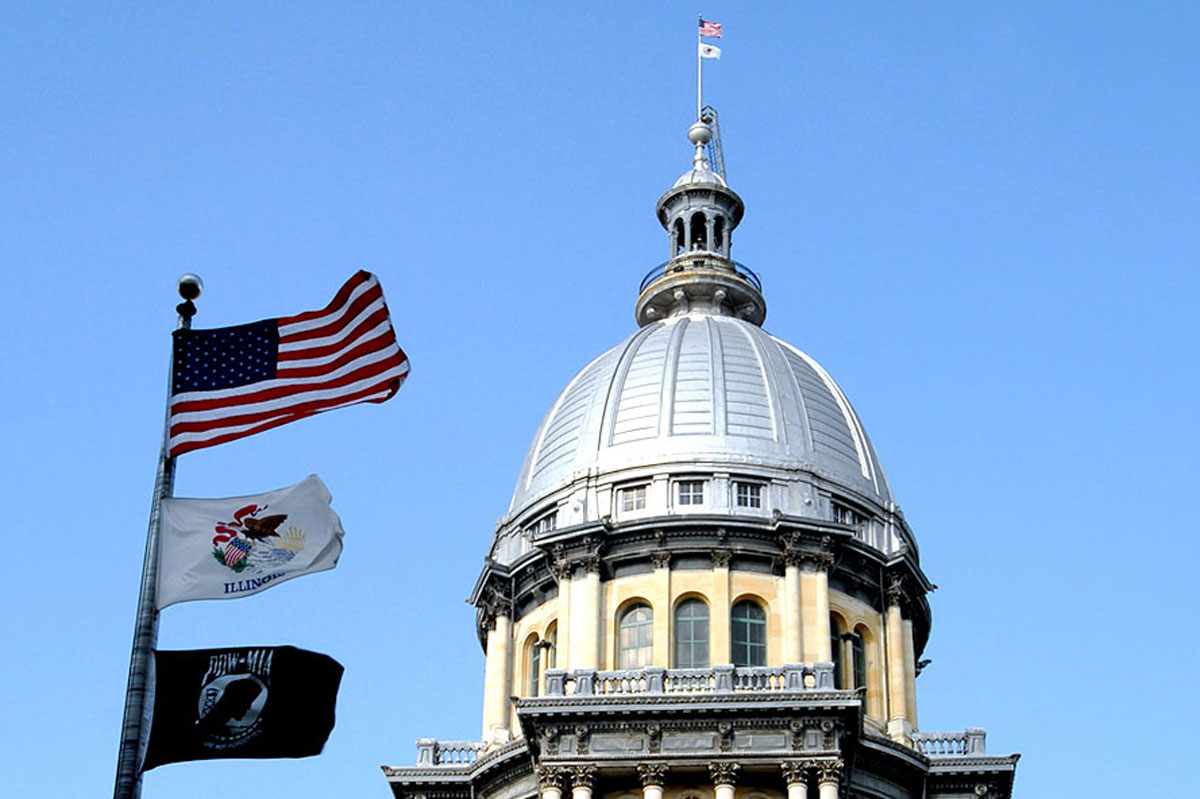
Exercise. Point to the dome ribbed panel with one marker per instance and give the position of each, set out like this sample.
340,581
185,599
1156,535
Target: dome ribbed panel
692,410
567,420
747,401
830,432
640,395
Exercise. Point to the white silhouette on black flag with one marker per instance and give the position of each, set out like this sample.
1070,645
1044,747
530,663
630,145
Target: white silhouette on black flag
241,702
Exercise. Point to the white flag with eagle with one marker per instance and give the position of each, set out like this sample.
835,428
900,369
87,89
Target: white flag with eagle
234,547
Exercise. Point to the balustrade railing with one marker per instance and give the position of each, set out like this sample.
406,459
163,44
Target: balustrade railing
717,679
432,752
971,741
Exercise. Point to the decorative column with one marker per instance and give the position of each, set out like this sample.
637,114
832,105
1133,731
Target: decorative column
719,596
724,777
795,775
496,673
910,674
814,595
561,569
792,651
899,727
585,615
652,775
582,780
829,774
661,600
550,781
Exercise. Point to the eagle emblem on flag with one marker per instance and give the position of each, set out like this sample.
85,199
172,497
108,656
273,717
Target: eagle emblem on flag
251,541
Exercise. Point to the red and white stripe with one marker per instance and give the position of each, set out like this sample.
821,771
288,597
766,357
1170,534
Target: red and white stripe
341,355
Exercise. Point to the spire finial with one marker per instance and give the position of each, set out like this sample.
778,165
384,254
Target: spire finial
699,134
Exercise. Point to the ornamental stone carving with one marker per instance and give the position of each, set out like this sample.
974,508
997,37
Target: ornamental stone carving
720,558
723,773
549,777
661,559
829,771
561,569
583,776
794,771
652,773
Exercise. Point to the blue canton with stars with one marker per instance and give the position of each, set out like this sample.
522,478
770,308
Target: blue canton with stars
227,357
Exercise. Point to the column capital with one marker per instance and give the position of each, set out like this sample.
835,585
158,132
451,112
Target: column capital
795,771
829,771
549,777
561,569
660,558
590,563
723,772
583,776
720,558
652,773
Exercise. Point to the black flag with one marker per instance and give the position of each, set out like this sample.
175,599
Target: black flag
270,701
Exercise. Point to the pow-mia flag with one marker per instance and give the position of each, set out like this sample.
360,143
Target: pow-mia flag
244,702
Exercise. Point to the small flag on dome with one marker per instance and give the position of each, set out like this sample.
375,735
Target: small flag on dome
710,51
710,29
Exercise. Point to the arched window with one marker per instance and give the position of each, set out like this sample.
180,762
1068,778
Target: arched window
719,236
535,665
677,238
552,650
748,634
635,638
858,649
835,648
691,635
699,231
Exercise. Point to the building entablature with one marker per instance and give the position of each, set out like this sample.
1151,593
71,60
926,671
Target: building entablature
763,545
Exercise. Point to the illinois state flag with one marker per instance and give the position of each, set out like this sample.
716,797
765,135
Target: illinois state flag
227,548
270,701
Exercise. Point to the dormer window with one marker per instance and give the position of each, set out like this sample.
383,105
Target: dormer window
690,492
545,524
844,514
747,495
633,498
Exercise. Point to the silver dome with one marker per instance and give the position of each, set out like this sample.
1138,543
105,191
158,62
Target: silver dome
701,391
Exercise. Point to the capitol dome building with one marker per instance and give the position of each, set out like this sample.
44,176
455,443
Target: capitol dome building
703,587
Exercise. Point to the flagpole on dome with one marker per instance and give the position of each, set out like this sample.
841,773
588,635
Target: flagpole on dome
134,724
699,62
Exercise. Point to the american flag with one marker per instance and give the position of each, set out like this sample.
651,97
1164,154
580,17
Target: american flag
232,382
710,29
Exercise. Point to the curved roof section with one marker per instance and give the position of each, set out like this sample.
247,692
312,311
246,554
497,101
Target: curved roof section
699,174
700,389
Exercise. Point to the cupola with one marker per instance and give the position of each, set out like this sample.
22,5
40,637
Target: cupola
699,214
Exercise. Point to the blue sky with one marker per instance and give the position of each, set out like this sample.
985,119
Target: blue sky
980,218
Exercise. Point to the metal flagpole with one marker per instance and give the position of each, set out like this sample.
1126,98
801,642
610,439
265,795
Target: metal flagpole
699,62
135,724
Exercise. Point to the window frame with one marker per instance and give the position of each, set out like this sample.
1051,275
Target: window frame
751,646
688,646
633,492
631,656
749,485
691,483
